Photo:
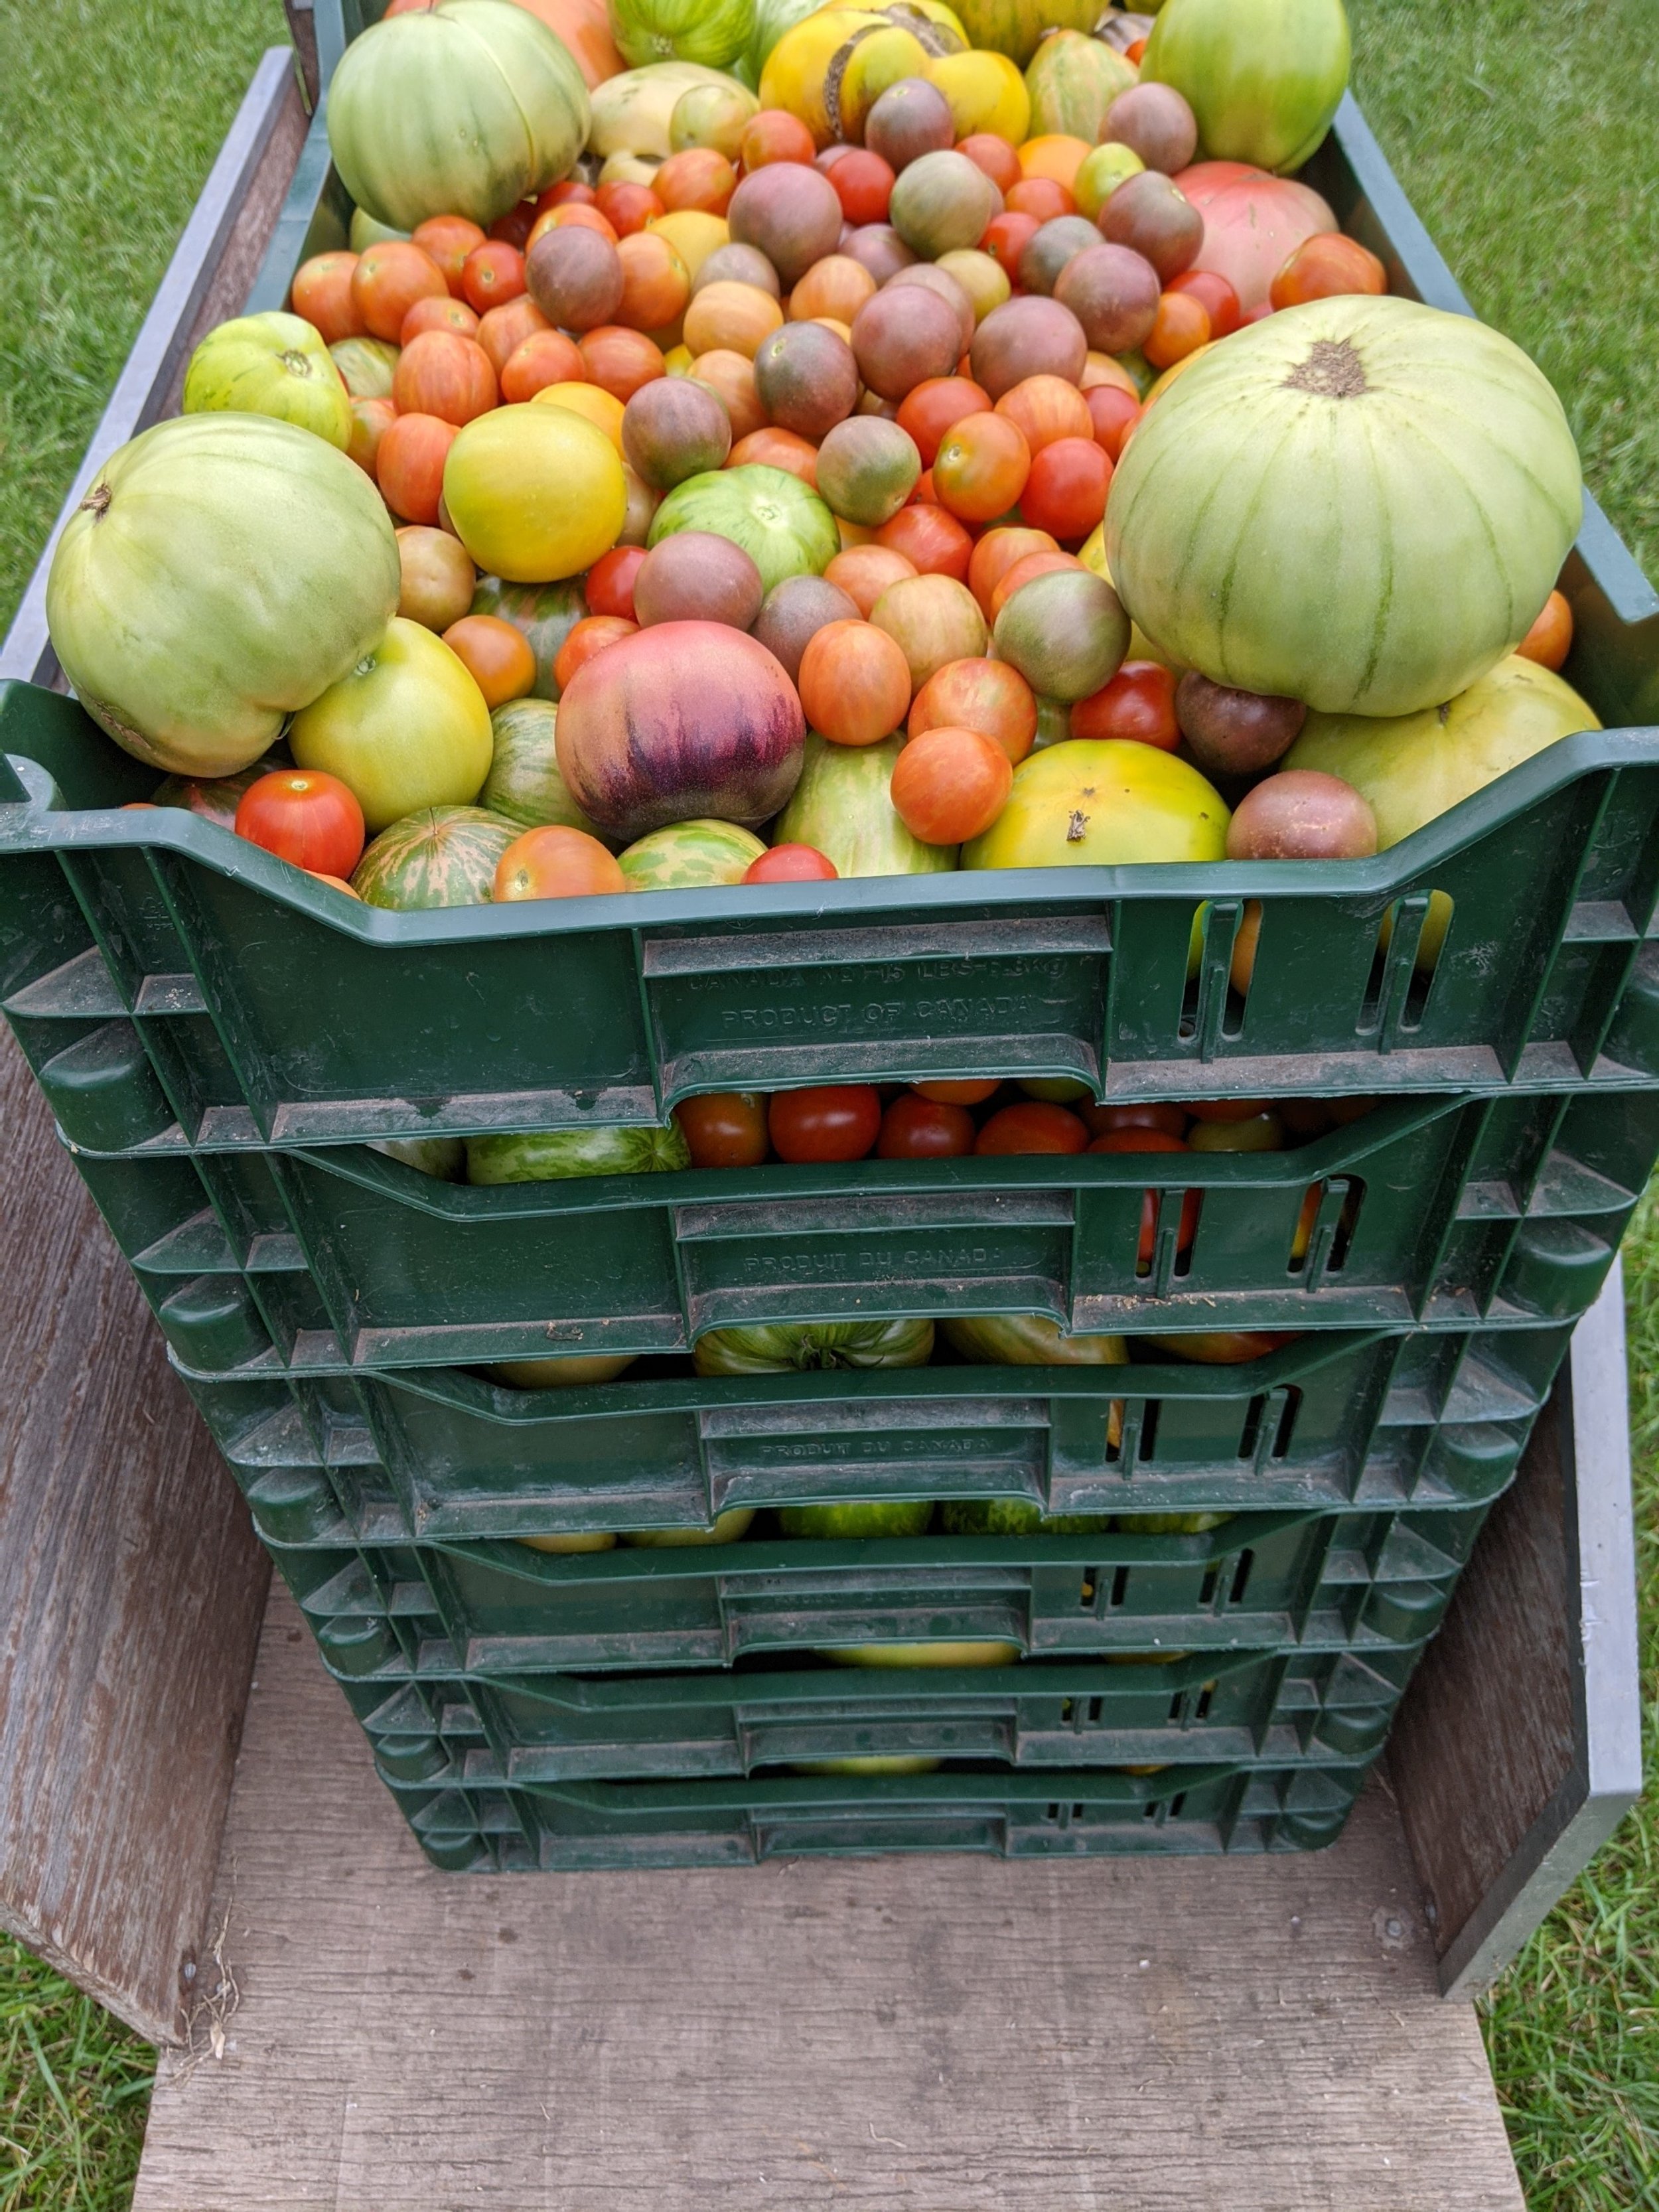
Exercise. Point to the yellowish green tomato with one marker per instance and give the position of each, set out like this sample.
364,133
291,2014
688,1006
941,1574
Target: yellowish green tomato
1103,803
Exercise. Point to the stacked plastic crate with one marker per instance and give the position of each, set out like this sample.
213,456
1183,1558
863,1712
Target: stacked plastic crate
222,1040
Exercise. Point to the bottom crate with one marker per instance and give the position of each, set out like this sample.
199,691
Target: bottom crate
1270,1708
1064,1814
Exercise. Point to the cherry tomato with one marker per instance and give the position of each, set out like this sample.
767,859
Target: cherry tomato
994,156
792,864
774,135
725,1128
1114,413
571,189
981,467
1181,327
915,1128
1033,1126
832,1121
1153,1140
556,861
864,185
1138,704
958,1094
1006,237
492,274
1102,1120
304,816
949,785
611,581
1041,196
934,542
1065,493
1221,302
627,208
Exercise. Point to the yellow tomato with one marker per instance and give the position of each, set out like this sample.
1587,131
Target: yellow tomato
592,1539
602,409
536,493
693,234
986,93
1056,156
407,728
1103,803
676,359
979,1653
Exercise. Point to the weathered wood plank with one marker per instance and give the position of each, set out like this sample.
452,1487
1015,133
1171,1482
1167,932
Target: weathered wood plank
911,2034
130,1589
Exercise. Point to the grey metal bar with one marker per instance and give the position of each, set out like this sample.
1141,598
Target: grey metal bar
1605,1777
139,394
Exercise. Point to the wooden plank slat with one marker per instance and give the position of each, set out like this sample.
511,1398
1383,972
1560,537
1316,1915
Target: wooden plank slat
921,2034
130,1590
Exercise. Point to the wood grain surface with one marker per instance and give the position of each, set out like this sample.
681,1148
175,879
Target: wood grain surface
130,1591
926,2034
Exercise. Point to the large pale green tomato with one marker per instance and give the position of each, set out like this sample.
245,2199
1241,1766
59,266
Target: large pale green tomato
1362,503
1103,803
222,570
407,728
535,493
1264,77
1073,80
781,523
270,364
463,109
711,31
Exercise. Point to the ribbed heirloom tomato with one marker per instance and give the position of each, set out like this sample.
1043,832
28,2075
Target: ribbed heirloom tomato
831,1121
725,1128
915,1128
305,815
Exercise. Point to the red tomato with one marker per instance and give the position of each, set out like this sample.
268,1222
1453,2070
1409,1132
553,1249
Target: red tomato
1138,703
587,637
928,411
304,816
994,156
571,189
1114,413
1041,196
448,238
832,1121
864,185
725,1128
627,208
1033,1126
1102,1120
774,135
792,864
1006,237
1221,302
515,227
958,1094
611,581
1153,1140
1066,491
915,1128
934,541
1181,327
492,274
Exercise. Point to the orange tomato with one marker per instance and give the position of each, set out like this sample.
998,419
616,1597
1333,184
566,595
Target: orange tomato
504,330
1066,489
554,861
1029,565
441,373
699,178
730,377
571,189
410,465
836,287
998,160
777,449
931,540
854,684
1549,639
727,317
1041,197
448,238
864,572
388,280
935,406
619,361
981,467
589,636
1056,156
545,357
655,283
987,695
445,314
1047,408
1182,325
492,274
950,784
322,294
1220,299
1324,266
774,135
498,657
370,421
627,208
995,554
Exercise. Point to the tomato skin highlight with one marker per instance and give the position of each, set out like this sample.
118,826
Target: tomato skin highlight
305,815
725,1128
1033,1126
830,1122
915,1128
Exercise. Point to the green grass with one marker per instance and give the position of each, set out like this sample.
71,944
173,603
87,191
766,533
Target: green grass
1523,131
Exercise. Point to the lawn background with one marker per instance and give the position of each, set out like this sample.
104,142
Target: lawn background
1524,132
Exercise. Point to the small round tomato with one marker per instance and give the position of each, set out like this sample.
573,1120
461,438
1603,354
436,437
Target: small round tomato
587,637
996,553
611,581
1146,1114
1006,238
545,357
1153,1140
725,1128
492,274
831,1121
958,1094
1327,265
1026,570
774,135
1549,639
554,861
950,784
559,195
1182,326
1033,1126
386,282
627,208
1066,491
513,229
304,816
981,467
698,176
1138,704
935,543
438,314
994,156
1221,302
448,238
915,1128
864,185
792,864
496,655
934,406
1113,413
1043,197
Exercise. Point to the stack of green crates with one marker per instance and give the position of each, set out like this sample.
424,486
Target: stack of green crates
1216,1667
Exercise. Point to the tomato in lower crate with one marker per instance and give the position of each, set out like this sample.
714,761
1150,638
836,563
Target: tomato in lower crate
1153,1140
831,1121
305,815
725,1128
1146,1114
958,1094
915,1128
1032,1127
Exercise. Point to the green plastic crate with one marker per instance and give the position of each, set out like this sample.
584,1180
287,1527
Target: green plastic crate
1328,1420
1267,1708
1436,1211
1324,1582
1067,1814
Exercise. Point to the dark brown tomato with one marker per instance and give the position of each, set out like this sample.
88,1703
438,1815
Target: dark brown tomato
695,576
1027,337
